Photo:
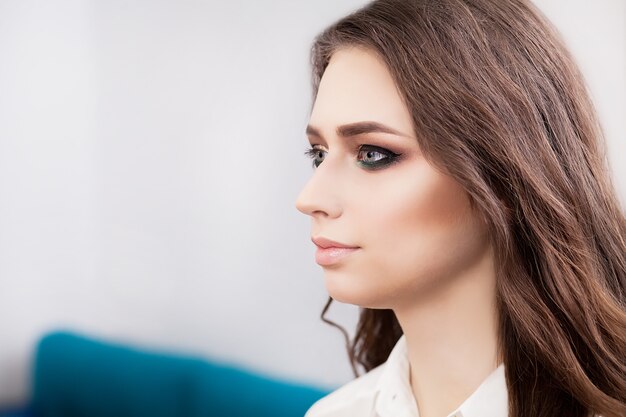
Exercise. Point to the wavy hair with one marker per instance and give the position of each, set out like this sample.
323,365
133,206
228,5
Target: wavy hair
499,104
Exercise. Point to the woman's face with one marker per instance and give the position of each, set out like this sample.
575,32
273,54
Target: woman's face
412,224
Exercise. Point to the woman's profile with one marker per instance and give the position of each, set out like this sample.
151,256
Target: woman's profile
461,197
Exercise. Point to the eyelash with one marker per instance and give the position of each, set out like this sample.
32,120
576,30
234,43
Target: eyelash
390,157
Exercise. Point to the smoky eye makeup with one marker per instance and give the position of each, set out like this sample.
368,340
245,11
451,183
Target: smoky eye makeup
369,157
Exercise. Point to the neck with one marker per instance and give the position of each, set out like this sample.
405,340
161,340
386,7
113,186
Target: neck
452,339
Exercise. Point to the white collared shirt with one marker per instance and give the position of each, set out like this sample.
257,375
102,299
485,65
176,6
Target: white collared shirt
385,391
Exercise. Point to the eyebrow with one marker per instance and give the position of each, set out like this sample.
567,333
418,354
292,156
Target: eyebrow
355,129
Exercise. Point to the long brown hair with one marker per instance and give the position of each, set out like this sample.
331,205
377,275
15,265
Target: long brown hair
498,103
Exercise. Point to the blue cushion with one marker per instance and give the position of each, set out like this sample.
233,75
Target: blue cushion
22,412
75,376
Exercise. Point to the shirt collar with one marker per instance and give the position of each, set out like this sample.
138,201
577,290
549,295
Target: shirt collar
394,396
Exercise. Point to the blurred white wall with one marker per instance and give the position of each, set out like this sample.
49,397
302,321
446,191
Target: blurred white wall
150,157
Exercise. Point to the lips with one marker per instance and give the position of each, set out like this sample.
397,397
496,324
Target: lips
330,252
325,243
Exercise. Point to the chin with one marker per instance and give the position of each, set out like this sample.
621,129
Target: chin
345,290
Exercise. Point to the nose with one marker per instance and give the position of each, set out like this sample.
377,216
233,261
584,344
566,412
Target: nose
318,196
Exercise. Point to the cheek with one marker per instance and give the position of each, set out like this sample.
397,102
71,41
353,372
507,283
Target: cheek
423,231
422,204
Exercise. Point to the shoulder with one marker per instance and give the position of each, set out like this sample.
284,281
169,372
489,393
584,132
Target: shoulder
352,398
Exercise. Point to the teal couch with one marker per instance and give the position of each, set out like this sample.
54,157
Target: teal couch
77,376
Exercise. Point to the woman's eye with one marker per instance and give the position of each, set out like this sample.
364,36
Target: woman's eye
372,157
314,153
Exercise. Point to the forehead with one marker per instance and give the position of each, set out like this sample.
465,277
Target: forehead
357,85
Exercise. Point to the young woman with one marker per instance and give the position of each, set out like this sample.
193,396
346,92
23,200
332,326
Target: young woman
462,198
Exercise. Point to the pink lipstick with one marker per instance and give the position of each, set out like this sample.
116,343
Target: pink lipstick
330,252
